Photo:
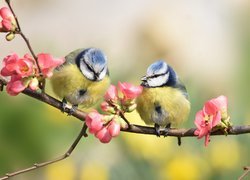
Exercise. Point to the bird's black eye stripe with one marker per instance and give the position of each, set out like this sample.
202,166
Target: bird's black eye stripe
156,75
89,67
102,69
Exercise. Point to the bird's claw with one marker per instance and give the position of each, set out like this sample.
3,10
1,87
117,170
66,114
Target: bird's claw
64,105
72,110
157,130
166,130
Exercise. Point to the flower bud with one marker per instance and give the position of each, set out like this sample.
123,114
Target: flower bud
130,108
122,123
114,128
94,122
34,84
107,108
111,94
107,118
10,36
103,135
129,91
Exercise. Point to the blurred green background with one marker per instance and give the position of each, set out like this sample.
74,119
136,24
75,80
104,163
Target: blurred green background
208,44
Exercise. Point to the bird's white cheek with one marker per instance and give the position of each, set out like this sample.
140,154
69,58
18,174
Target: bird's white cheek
158,81
86,72
102,74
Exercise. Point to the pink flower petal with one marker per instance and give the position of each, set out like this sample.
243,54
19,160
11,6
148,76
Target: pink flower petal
103,135
129,91
47,63
199,117
114,128
111,94
197,132
94,121
204,131
207,139
96,124
15,86
5,13
105,106
92,131
106,139
6,24
216,119
209,108
25,67
220,102
9,65
6,72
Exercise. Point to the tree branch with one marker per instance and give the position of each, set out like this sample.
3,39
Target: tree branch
246,171
235,130
62,157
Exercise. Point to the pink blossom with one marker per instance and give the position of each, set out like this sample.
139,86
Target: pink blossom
129,91
221,103
8,23
13,65
114,128
94,122
206,119
47,63
15,86
9,65
203,127
111,94
105,106
103,135
25,66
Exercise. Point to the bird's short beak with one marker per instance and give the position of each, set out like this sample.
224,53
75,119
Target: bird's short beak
96,76
144,78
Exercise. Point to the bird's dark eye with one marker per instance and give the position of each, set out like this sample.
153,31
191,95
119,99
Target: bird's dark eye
82,92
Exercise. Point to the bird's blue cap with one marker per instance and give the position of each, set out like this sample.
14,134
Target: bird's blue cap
93,63
159,74
157,68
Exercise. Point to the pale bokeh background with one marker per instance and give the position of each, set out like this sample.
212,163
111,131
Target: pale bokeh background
207,42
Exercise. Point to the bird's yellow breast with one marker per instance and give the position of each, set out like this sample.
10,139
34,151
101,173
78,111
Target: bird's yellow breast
67,82
171,100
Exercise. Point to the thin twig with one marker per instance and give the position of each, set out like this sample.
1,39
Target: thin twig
60,158
125,119
30,47
19,31
246,171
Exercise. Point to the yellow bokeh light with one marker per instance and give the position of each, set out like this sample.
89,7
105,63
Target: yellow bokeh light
224,154
94,171
184,166
64,170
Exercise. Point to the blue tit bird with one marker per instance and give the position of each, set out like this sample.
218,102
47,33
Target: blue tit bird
83,78
164,99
